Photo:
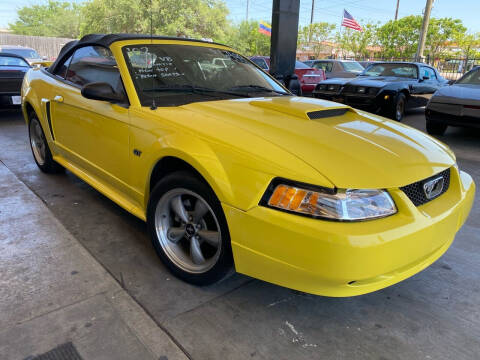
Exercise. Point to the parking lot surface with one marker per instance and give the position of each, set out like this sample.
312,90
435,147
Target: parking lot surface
433,315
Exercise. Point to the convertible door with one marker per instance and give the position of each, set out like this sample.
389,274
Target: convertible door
92,135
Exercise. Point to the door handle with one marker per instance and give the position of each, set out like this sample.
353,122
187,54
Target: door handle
58,99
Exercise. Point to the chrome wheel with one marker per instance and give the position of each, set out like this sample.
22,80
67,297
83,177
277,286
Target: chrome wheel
400,109
37,141
188,230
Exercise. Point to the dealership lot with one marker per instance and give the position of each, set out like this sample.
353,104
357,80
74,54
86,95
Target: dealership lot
433,315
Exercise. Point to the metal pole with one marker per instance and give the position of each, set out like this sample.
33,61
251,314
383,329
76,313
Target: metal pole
311,22
423,33
311,15
246,17
396,11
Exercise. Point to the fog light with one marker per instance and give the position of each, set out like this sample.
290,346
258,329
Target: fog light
386,97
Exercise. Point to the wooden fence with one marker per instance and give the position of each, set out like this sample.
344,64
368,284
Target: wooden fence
45,46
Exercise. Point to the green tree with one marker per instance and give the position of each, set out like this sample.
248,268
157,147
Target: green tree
357,42
468,45
440,33
313,36
190,18
399,39
246,38
56,18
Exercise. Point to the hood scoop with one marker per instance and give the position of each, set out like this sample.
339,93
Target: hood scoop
322,114
301,107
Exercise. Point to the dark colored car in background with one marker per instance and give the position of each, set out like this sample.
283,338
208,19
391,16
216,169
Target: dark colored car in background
26,53
455,105
334,68
12,71
307,76
387,88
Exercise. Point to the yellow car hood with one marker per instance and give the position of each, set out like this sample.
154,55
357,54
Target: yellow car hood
353,150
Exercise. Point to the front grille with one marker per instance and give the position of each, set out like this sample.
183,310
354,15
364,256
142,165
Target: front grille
415,191
10,86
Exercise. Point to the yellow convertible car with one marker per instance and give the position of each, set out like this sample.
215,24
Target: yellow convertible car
232,172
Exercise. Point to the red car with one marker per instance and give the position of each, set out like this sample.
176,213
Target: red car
307,76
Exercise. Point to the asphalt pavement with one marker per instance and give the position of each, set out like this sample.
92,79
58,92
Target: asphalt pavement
433,315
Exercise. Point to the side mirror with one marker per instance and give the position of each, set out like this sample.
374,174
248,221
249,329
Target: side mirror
101,91
425,78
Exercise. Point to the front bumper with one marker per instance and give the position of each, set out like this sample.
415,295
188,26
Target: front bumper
6,101
379,103
465,120
346,259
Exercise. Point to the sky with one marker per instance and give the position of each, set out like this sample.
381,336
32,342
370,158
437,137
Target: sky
325,10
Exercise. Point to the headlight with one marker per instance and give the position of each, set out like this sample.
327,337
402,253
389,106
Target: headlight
317,202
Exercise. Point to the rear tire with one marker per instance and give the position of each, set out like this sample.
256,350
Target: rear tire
40,149
189,230
436,128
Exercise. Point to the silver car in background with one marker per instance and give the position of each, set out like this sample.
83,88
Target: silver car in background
337,68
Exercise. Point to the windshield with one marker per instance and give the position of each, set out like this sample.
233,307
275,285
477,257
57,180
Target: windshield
12,61
352,66
179,74
260,62
473,78
399,70
300,65
26,53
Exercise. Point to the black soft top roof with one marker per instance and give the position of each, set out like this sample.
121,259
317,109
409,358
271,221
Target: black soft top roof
106,40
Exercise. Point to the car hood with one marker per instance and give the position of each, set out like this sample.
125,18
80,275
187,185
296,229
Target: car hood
463,94
354,150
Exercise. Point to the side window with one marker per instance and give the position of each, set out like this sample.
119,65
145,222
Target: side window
94,64
325,66
429,72
62,70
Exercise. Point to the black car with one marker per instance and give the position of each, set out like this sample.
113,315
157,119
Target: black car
387,88
455,105
12,70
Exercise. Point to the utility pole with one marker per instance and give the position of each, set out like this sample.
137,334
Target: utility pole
246,17
311,14
396,11
423,33
311,22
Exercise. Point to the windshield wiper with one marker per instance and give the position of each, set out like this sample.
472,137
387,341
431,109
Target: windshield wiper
193,90
258,88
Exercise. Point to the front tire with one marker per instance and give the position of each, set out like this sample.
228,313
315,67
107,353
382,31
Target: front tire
436,128
398,110
189,230
40,149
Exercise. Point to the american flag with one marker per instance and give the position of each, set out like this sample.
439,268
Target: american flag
350,22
